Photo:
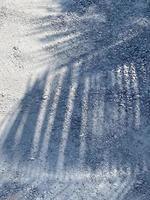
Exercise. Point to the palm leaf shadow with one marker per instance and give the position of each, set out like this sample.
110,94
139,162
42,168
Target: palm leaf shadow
94,112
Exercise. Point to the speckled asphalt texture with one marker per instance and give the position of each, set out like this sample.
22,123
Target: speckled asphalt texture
74,100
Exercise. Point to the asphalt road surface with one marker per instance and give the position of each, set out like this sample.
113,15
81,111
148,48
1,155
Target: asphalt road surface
74,100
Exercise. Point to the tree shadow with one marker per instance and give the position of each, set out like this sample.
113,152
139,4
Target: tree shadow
93,112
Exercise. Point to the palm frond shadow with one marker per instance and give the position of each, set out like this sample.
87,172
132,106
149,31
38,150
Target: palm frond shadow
90,115
82,122
103,35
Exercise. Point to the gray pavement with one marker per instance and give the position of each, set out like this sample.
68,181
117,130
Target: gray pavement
82,129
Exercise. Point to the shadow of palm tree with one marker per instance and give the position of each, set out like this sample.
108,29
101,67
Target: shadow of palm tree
93,113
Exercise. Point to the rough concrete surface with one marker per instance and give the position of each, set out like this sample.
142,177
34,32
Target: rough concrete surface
74,100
